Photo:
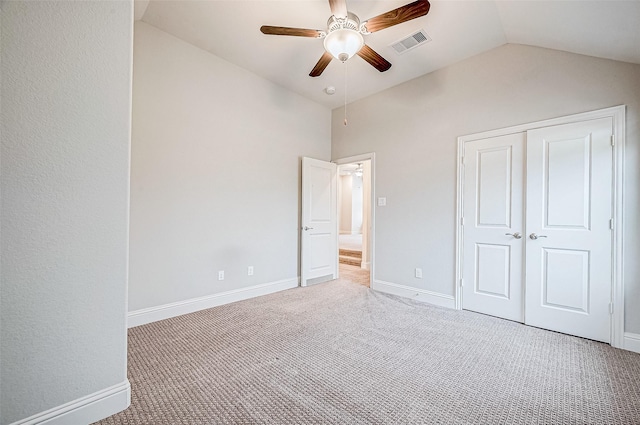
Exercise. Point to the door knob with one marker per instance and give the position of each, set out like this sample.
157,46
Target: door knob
516,235
307,228
534,236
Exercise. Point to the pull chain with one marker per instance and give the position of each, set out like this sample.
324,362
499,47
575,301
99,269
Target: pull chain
345,93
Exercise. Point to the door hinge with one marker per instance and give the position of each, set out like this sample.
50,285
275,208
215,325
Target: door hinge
461,221
610,308
611,224
613,140
461,282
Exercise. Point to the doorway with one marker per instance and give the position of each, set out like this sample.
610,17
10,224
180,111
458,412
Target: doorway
537,240
355,218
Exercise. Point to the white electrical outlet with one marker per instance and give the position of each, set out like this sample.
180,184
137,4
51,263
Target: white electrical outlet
419,273
250,271
382,202
221,275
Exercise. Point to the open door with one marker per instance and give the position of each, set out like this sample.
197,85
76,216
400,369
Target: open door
319,233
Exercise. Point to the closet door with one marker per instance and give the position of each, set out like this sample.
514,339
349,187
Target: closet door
493,226
568,236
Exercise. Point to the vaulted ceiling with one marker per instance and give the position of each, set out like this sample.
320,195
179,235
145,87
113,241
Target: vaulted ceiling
459,29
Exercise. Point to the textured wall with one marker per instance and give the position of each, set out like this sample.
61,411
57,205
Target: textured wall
413,129
215,172
66,97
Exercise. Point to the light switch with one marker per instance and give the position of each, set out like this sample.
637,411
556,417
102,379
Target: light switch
382,202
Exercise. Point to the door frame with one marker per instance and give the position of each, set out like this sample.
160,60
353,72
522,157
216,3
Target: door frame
617,113
359,158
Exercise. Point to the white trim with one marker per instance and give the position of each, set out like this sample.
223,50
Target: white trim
632,342
423,295
617,113
371,156
457,293
365,265
617,296
613,111
165,311
85,410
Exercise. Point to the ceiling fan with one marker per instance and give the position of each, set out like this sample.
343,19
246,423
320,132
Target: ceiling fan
344,35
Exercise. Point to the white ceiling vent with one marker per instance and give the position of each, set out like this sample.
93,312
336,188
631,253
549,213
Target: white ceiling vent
411,42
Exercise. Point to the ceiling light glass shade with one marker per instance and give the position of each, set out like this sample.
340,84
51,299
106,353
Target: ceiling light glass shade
343,43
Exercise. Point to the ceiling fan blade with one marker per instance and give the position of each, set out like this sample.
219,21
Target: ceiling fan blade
397,16
338,8
321,65
377,61
298,32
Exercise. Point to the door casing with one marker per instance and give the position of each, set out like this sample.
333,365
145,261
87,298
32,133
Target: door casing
617,114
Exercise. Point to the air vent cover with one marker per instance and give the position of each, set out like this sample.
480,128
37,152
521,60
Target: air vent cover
411,42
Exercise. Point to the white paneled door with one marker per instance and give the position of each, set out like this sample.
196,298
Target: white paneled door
319,233
549,264
493,226
569,208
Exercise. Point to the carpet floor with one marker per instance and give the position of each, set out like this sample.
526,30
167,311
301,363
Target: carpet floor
340,353
354,274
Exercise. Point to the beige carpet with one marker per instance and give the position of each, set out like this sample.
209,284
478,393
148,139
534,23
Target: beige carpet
354,274
340,353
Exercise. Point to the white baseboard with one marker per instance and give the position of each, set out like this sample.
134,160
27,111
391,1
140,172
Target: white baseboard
85,410
415,293
632,342
165,311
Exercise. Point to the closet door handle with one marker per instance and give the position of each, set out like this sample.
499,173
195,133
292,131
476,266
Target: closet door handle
307,228
516,235
534,236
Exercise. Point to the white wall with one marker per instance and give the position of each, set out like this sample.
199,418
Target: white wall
215,181
351,209
65,124
356,204
413,128
345,204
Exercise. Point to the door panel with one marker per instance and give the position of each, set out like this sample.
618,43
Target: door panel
569,205
568,186
493,207
494,187
566,279
319,257
492,270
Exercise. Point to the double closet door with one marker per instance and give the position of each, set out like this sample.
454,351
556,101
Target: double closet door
537,239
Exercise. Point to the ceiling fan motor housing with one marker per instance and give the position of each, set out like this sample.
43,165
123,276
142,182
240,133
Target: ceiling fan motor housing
351,22
343,38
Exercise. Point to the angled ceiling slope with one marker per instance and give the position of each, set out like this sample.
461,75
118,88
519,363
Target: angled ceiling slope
458,29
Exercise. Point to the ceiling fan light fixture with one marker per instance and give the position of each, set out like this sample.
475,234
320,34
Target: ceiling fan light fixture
343,43
343,38
358,172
